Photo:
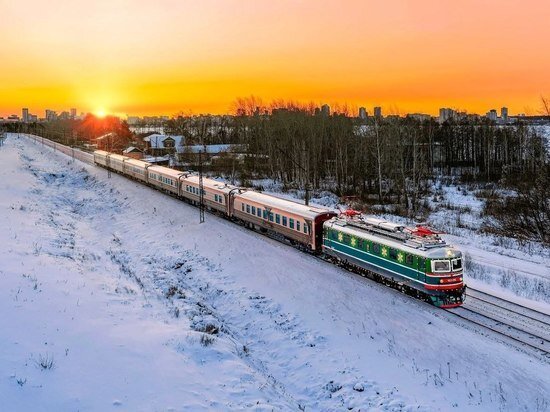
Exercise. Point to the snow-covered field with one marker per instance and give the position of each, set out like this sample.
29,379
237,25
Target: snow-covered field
114,297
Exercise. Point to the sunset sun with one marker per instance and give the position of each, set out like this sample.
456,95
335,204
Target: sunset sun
101,113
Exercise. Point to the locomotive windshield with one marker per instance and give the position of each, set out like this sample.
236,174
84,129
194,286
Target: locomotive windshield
457,264
441,266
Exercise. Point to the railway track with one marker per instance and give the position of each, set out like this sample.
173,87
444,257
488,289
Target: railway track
526,327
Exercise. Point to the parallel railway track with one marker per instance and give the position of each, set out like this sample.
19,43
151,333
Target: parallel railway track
524,326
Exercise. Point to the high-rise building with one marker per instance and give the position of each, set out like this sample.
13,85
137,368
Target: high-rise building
362,113
51,115
445,114
25,115
504,114
378,112
492,115
325,110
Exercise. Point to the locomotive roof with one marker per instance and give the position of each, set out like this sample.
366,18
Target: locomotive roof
290,206
433,250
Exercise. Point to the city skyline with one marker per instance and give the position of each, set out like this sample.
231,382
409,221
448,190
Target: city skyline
325,109
137,58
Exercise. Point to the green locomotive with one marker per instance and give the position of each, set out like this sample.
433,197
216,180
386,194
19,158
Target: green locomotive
414,260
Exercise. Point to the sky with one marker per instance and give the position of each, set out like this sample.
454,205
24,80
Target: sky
139,57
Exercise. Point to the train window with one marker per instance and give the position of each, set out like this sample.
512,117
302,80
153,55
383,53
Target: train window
422,264
291,223
265,214
360,243
393,254
298,225
347,239
259,212
284,220
305,228
409,259
247,208
376,248
441,266
242,206
254,210
457,264
270,217
278,219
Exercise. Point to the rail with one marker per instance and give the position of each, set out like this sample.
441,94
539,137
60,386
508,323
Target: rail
526,326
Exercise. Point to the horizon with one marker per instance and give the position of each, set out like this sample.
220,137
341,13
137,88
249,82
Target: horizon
352,112
135,58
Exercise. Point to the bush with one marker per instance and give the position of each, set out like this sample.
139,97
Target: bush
45,362
207,340
525,216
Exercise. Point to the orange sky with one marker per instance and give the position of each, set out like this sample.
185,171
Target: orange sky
165,56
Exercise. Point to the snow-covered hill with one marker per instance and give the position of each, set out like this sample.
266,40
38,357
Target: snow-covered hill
114,297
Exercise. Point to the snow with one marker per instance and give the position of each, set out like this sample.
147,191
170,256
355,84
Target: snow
120,297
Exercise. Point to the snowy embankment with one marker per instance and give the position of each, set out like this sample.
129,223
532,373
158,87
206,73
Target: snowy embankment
113,296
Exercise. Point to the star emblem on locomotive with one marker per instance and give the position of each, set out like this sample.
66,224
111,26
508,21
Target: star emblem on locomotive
400,257
353,241
384,252
340,237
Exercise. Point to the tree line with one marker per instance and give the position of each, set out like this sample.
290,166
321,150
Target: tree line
392,160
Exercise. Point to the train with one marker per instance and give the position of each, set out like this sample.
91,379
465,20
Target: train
416,261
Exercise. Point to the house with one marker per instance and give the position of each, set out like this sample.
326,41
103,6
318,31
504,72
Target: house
133,152
105,142
162,144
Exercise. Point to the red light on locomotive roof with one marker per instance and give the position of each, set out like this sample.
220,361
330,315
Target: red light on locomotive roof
424,231
350,213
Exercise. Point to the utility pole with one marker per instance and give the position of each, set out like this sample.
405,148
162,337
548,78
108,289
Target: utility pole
201,190
108,157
